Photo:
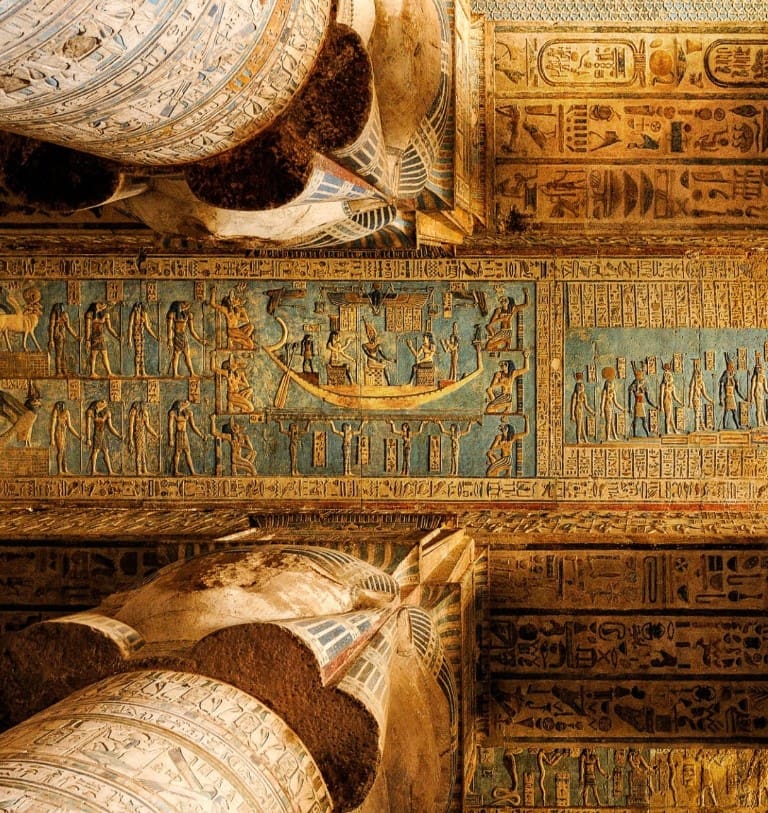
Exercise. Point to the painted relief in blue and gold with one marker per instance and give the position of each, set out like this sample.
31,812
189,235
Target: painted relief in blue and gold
683,363
268,379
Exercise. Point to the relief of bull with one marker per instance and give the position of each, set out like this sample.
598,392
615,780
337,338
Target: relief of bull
26,313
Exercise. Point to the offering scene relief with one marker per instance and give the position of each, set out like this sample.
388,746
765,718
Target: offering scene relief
667,378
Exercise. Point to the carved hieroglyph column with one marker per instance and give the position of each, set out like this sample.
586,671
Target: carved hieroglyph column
158,740
149,81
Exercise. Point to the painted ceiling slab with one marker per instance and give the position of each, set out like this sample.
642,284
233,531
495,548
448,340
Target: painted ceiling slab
603,430
371,382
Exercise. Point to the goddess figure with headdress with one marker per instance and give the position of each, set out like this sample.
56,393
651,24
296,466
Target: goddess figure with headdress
580,408
609,405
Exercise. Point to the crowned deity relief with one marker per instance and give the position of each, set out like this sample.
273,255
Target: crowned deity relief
667,399
697,397
239,328
758,391
681,396
610,408
730,395
580,408
61,428
59,327
180,326
242,452
181,420
640,400
99,425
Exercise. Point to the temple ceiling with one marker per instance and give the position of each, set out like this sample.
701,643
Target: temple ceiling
558,344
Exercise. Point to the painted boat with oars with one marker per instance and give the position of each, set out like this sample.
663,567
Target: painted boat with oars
364,397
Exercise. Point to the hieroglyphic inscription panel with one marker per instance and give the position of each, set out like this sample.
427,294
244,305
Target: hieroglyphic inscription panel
659,128
650,644
667,580
701,11
632,658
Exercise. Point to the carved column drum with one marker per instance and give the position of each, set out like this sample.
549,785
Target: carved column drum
153,82
159,740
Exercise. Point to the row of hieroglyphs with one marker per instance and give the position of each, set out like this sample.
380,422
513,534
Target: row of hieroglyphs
684,142
643,689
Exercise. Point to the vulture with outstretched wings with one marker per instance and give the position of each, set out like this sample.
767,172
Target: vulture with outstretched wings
378,297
